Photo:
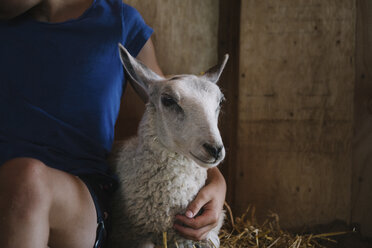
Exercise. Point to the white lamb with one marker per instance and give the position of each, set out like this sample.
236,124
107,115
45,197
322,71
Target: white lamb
163,169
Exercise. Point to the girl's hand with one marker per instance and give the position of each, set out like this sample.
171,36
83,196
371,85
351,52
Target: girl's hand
210,200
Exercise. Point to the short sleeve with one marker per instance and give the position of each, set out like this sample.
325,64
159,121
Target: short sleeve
135,31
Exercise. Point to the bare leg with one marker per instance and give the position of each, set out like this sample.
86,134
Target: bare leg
41,206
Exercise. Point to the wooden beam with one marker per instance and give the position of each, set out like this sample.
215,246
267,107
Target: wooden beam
228,42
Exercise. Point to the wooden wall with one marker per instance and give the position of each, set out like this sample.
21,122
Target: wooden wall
296,109
362,142
299,140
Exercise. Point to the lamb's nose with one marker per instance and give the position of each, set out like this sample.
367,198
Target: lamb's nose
214,151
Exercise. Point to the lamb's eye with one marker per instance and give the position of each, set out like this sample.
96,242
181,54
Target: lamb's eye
221,102
168,101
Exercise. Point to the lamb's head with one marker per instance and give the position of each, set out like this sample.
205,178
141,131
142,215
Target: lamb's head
186,109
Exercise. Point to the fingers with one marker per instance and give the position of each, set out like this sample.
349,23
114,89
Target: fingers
208,218
195,206
196,228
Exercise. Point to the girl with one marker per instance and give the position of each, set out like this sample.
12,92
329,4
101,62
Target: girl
60,89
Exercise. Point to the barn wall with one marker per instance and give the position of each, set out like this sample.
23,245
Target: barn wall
296,109
185,39
362,143
296,148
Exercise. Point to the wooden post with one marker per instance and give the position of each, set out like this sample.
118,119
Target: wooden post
228,42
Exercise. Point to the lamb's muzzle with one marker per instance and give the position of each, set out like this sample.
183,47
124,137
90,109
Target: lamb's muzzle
214,151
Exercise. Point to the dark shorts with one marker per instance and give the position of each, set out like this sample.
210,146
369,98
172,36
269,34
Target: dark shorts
100,189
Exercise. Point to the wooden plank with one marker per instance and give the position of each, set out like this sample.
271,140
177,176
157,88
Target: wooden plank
296,91
362,141
228,42
185,33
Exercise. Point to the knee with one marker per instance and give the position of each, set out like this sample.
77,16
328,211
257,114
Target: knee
23,183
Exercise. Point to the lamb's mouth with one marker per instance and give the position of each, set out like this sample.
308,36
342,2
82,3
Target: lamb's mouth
201,160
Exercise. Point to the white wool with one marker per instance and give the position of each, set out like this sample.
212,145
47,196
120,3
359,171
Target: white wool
162,169
156,184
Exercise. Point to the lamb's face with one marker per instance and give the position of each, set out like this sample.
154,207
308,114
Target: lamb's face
187,110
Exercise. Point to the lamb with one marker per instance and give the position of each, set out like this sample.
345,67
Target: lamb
164,167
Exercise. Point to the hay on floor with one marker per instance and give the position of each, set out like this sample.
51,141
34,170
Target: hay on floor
244,231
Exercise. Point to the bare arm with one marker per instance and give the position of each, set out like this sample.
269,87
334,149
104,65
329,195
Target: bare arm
148,57
211,199
12,8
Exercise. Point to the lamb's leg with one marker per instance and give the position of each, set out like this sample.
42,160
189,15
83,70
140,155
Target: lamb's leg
146,244
183,243
213,234
211,241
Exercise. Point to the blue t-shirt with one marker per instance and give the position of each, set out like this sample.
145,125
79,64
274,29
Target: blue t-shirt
61,85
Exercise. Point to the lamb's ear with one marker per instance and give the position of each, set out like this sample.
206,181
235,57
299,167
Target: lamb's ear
139,75
214,73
